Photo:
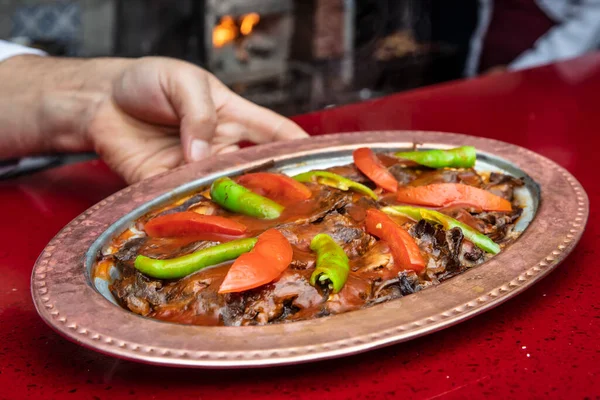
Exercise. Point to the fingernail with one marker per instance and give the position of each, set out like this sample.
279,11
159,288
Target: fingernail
199,149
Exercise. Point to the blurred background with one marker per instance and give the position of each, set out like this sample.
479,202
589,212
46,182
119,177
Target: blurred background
293,56
296,56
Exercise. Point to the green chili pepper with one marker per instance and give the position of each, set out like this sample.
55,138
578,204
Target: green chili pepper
185,265
334,180
237,198
416,213
332,262
459,157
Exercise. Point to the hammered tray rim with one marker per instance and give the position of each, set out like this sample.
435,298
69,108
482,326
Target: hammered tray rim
50,290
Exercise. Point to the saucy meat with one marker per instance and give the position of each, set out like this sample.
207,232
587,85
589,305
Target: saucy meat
373,275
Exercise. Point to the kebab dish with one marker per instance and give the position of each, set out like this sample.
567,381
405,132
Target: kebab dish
263,247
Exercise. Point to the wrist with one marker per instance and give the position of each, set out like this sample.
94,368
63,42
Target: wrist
49,102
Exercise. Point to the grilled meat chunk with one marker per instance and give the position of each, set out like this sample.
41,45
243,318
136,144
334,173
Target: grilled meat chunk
351,172
403,175
291,293
446,175
499,225
503,185
197,202
129,251
407,282
138,292
445,249
340,227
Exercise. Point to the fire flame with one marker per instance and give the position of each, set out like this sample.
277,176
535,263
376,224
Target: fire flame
249,21
227,30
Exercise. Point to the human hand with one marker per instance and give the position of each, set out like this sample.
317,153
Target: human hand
141,116
154,99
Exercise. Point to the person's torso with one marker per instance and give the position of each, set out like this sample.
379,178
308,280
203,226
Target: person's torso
514,27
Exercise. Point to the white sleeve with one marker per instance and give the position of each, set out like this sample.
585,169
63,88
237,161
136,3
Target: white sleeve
8,50
578,34
484,17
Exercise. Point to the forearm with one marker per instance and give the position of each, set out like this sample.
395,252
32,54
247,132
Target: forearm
46,102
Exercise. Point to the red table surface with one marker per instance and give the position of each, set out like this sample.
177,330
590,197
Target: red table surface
543,343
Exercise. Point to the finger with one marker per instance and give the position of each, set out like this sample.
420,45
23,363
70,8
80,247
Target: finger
262,125
229,133
189,92
226,137
228,149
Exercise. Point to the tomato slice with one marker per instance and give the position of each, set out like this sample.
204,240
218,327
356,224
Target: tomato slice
368,163
264,263
450,194
189,223
277,187
405,250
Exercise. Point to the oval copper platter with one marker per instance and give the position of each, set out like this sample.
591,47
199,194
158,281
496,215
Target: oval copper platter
68,300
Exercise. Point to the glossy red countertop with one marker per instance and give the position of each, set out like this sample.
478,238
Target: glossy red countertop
544,343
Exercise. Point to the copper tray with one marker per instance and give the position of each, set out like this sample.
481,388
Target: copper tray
68,300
